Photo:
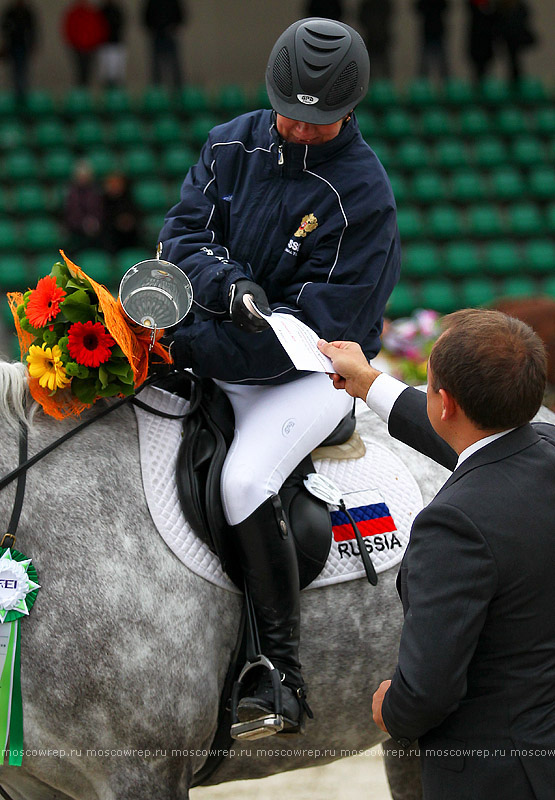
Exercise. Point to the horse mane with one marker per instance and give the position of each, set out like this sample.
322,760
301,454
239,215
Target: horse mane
14,393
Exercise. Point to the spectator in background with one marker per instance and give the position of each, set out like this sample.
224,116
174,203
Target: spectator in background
162,18
121,225
374,18
83,209
84,29
512,26
111,56
330,9
18,27
480,35
432,38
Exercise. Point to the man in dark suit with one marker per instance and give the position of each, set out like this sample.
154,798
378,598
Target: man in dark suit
475,680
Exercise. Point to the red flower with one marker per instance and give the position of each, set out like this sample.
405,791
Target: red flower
44,302
89,343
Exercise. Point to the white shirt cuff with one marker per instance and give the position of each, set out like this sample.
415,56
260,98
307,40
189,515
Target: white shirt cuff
383,394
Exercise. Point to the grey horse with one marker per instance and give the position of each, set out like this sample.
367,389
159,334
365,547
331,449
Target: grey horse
125,652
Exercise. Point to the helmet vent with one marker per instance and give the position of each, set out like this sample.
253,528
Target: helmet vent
344,86
282,73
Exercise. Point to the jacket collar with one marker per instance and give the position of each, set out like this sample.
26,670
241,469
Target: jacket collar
502,448
297,157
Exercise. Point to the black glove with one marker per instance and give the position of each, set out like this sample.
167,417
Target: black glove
240,314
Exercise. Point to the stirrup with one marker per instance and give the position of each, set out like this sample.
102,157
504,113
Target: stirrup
268,724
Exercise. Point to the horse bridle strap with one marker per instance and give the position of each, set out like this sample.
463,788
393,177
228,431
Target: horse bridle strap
26,463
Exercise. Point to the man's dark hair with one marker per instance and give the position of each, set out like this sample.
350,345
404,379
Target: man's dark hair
494,366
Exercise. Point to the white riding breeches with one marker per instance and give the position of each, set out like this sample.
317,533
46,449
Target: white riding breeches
275,428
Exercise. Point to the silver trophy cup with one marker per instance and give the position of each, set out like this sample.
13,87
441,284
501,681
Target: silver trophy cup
155,294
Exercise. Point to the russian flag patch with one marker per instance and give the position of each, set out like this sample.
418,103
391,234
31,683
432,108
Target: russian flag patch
371,519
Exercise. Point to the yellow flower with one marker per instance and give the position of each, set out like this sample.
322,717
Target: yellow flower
45,363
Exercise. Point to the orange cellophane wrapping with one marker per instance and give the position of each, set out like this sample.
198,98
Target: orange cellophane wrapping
136,343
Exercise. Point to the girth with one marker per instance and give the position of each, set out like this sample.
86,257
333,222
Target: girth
207,435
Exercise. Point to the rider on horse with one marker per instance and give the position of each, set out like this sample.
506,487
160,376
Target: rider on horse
293,208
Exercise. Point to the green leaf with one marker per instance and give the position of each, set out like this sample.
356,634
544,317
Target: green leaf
117,352
104,376
84,390
61,273
111,390
119,368
77,307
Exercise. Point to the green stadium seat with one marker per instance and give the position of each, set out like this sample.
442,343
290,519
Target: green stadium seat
166,130
139,162
510,121
439,295
519,286
550,218
494,91
367,123
50,132
177,160
421,92
12,135
78,101
539,256
445,222
40,233
8,235
412,154
489,151
399,186
506,183
199,129
457,92
403,301
21,165
474,121
154,100
7,104
150,195
103,161
13,274
477,292
384,152
525,219
152,226
126,258
420,260
428,187
126,131
548,286
450,154
88,132
530,90
462,259
42,263
485,221
382,94
528,151
467,186
411,223
5,200
97,264
541,183
435,123
57,165
114,101
502,258
193,100
544,121
39,103
230,100
397,124
30,198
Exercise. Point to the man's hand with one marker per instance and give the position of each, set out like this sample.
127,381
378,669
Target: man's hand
352,370
377,702
240,313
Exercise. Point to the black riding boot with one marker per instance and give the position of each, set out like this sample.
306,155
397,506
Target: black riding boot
269,562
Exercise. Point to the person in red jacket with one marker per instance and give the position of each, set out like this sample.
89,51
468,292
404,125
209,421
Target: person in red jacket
84,30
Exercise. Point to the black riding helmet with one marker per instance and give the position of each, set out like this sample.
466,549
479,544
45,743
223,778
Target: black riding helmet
318,71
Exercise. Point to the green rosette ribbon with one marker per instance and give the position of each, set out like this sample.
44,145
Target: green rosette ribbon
18,591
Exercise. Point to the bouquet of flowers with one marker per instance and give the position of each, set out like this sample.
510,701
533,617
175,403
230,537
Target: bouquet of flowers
407,343
78,345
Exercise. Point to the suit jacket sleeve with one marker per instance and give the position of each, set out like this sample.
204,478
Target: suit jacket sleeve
450,580
408,422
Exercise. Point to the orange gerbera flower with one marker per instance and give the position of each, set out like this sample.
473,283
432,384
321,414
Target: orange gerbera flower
89,343
44,302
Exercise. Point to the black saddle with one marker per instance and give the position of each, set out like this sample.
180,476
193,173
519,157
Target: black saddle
207,434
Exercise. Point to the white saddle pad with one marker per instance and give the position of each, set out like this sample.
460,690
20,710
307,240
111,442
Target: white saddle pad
378,489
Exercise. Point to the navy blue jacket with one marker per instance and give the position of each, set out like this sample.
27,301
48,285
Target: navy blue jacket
316,227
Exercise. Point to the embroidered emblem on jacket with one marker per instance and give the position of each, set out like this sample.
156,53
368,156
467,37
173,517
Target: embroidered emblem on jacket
308,223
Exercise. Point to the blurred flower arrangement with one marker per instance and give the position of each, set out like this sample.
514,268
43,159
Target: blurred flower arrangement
407,342
77,343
